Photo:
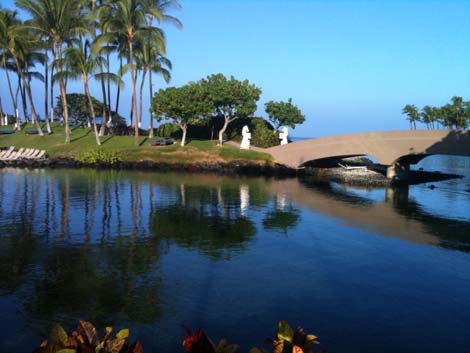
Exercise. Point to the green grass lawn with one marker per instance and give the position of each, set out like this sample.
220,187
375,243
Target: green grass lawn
83,139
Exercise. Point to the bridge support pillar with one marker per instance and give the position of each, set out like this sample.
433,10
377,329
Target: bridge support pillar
400,171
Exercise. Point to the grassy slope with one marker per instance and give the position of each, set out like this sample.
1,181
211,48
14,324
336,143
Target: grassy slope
84,140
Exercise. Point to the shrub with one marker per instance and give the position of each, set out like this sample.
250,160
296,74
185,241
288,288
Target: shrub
262,133
99,156
168,130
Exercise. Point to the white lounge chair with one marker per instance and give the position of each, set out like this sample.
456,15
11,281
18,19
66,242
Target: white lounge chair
348,167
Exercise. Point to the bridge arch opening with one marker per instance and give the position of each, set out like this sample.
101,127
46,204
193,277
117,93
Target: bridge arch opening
345,160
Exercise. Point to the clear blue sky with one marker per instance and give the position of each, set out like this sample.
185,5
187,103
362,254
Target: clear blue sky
349,65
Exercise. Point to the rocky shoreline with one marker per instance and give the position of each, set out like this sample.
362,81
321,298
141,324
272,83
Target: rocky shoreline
238,167
373,176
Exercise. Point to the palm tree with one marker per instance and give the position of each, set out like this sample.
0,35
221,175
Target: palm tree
427,115
150,60
84,64
413,114
125,18
157,62
7,20
59,21
19,40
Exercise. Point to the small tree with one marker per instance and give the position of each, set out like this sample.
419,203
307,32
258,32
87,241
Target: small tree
230,99
284,114
184,105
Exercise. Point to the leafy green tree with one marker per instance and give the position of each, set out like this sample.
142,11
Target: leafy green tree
183,105
230,99
413,114
284,114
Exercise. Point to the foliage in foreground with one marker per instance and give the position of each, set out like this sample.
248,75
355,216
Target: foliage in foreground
87,340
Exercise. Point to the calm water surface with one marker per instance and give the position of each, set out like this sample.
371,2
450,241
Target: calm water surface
367,270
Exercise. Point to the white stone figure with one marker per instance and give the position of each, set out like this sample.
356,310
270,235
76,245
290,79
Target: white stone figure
283,135
5,120
246,136
244,199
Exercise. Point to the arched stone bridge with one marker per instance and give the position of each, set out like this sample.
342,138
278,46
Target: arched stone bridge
396,149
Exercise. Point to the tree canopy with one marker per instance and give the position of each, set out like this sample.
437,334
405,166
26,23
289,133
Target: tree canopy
284,114
183,105
230,99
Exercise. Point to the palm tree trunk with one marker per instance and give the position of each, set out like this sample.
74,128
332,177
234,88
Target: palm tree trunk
22,92
109,86
13,101
28,91
151,95
63,93
52,87
103,91
119,87
141,94
134,94
92,111
46,82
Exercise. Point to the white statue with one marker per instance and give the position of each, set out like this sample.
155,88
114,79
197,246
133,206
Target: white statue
283,135
246,136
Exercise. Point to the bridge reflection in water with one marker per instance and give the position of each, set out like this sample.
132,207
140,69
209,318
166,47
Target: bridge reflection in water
395,215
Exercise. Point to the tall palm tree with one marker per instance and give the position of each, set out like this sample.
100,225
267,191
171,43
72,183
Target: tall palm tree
158,9
20,40
413,114
60,21
7,20
126,18
149,59
84,64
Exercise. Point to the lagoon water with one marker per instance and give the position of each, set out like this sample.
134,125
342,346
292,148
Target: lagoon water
366,270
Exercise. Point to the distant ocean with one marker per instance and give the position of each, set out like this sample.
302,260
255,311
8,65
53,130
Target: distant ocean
296,139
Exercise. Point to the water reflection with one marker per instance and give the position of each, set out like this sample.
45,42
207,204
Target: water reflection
210,219
392,214
140,249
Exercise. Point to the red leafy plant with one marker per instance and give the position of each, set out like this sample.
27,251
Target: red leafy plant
287,341
87,340
198,342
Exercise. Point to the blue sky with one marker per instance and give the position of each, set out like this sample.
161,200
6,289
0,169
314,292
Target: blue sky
349,65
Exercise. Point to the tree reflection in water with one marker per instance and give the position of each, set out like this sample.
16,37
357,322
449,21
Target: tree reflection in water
209,219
